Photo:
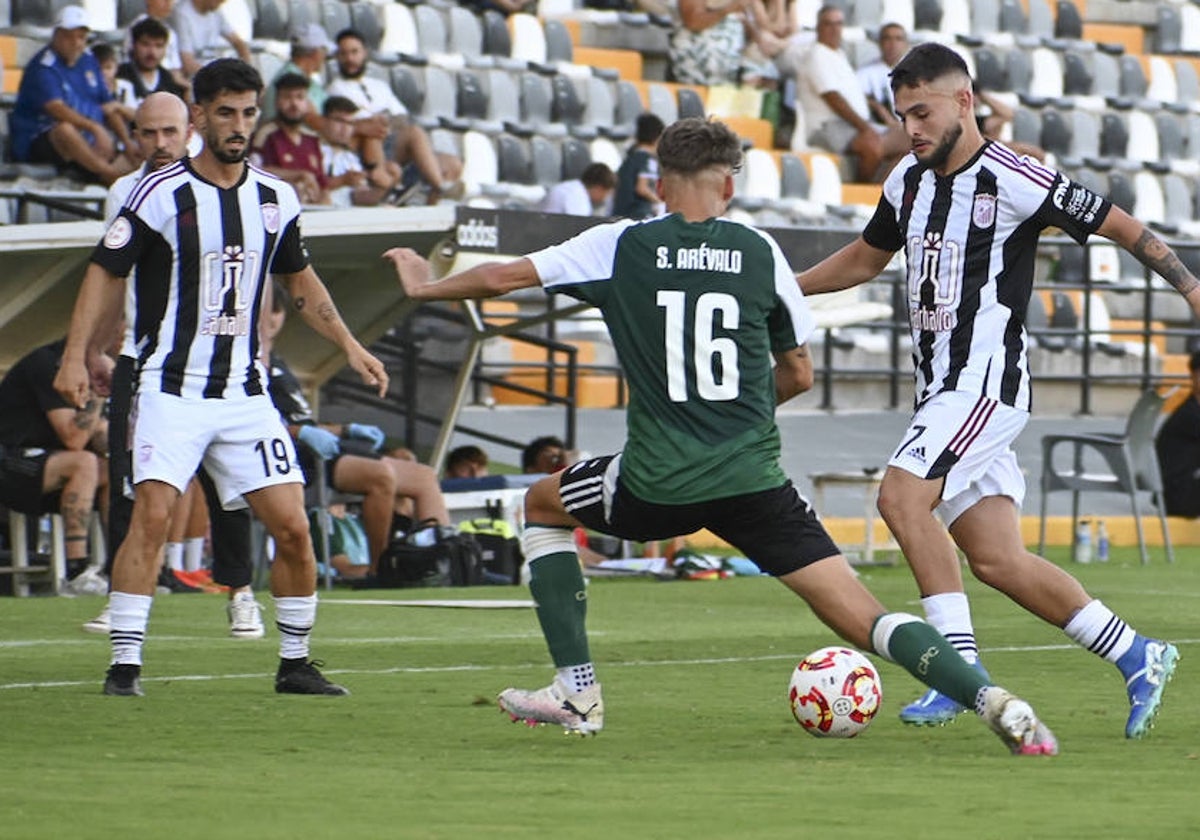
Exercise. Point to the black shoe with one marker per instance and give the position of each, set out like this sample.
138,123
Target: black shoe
298,676
123,681
168,581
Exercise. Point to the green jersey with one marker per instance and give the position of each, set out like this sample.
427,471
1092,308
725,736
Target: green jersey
695,311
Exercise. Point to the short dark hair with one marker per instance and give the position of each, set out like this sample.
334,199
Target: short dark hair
103,52
648,128
469,454
224,74
338,105
150,28
349,32
926,62
291,81
530,453
694,144
598,175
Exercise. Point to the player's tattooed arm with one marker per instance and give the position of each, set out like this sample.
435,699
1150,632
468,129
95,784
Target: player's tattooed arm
1156,255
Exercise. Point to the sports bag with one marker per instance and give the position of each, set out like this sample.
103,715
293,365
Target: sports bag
500,548
434,555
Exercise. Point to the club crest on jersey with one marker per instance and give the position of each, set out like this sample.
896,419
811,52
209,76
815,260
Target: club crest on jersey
270,216
983,212
119,233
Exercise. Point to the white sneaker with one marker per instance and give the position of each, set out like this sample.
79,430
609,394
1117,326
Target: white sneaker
579,714
100,624
1014,721
91,581
245,617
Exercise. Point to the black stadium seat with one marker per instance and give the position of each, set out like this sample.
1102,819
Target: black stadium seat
1067,22
576,157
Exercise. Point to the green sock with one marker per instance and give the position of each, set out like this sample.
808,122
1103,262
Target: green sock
556,583
925,653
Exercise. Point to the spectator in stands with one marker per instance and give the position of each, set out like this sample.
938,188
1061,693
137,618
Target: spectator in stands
204,33
636,195
832,100
347,180
347,543
874,77
706,46
160,10
48,446
64,114
586,195
991,115
120,90
466,462
409,143
144,72
546,454
1178,448
310,47
387,484
289,151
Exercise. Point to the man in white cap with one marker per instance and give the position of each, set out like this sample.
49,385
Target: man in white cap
64,113
204,33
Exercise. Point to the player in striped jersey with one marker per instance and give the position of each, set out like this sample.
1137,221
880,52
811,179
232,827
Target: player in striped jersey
968,212
697,306
204,234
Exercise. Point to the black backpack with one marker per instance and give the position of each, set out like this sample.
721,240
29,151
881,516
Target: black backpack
447,558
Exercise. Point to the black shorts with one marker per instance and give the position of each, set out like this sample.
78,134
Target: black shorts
22,473
41,150
776,528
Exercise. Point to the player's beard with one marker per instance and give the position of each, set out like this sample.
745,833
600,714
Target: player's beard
225,155
938,157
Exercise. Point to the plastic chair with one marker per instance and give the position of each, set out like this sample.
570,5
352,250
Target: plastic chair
1132,467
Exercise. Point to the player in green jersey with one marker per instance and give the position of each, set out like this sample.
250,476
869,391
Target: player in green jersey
698,308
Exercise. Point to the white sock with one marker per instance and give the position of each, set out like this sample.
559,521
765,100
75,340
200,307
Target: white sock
1101,631
174,556
577,677
193,554
294,617
950,615
128,616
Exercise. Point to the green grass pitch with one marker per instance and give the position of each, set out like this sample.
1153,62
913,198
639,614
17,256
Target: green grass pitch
699,742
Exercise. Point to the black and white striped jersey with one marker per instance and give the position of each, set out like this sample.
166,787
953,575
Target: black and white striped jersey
970,239
203,255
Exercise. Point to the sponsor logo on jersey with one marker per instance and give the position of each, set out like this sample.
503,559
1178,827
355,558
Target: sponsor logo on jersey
1076,200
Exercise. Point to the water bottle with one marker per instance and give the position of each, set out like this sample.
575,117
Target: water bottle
1083,541
1101,542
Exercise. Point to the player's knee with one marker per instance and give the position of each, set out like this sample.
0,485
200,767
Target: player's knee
989,563
292,537
83,467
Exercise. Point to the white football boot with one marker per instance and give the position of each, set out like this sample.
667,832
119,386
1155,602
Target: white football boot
581,713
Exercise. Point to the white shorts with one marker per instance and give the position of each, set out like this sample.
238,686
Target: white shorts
967,440
242,443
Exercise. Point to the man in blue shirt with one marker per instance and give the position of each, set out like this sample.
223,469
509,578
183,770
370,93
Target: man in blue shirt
64,113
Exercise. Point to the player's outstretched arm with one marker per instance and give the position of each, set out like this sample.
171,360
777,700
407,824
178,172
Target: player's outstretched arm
1152,252
312,301
793,373
98,304
482,281
853,265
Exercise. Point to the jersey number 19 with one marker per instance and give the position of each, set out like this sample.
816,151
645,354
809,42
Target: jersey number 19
714,358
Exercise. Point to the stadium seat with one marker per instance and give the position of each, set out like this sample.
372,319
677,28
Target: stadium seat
1179,199
689,103
516,165
1131,467
896,11
36,12
1187,82
599,108
605,151
1041,19
1149,205
1056,133
1106,75
1013,18
504,97
1046,76
763,179
1120,191
407,88
470,96
1026,126
303,12
794,179
825,180
441,96
367,19
464,36
566,105
1168,27
1114,136
1068,23
990,73
1143,143
927,15
1077,75
985,17
480,164
335,15
537,102
662,102
528,38
546,157
240,17
496,38
270,20
576,157
1085,134
101,13
127,10
1170,136
1162,86
956,18
1133,77
629,104
1019,66
399,31
1189,29
558,42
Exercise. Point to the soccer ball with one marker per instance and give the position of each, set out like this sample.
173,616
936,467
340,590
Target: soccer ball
835,692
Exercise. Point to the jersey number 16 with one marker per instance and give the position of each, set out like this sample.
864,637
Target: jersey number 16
714,358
